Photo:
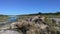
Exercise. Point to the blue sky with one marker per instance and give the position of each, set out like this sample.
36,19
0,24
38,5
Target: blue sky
15,7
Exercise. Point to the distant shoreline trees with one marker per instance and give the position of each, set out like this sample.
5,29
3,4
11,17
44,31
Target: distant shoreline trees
56,13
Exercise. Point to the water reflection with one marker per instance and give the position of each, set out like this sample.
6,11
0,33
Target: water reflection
12,19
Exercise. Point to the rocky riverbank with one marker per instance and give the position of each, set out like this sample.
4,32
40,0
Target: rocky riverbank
32,25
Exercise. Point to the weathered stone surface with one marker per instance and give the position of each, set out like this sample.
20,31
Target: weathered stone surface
9,32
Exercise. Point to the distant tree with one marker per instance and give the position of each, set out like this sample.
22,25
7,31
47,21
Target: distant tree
57,13
39,13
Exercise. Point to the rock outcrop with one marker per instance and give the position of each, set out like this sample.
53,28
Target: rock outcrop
9,32
33,25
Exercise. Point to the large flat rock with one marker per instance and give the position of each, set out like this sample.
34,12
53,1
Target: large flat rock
9,32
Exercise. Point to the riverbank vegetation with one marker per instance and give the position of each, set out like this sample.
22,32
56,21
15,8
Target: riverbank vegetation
48,15
3,18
